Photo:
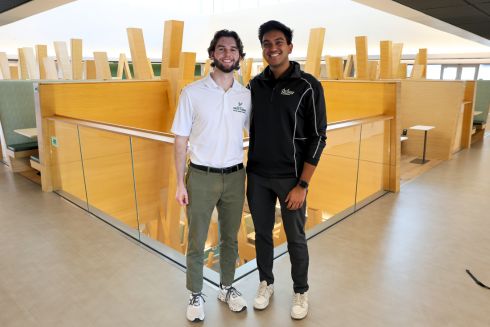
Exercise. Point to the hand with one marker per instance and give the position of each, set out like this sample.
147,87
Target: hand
181,195
296,197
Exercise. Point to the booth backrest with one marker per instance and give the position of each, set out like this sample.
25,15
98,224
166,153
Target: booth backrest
16,109
482,100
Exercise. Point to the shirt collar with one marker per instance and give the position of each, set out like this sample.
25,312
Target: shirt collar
209,82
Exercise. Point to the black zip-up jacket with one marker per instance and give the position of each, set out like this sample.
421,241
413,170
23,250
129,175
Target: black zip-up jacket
288,123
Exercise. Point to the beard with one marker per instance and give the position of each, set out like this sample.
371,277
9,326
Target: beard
224,69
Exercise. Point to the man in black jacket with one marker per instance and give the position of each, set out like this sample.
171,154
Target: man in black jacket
287,136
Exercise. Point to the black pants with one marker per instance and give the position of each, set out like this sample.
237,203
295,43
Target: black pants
262,194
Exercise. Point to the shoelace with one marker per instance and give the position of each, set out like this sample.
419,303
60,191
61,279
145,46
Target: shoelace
262,290
194,300
298,299
231,292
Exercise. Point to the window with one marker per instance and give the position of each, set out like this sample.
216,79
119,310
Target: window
449,72
484,72
434,71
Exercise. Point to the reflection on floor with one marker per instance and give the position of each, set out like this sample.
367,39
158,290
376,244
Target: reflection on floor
398,262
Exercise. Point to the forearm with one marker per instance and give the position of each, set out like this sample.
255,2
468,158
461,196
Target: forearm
308,171
180,153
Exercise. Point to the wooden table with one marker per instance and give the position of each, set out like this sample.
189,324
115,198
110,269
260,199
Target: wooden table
29,132
425,129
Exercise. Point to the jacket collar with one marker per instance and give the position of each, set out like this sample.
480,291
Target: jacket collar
294,71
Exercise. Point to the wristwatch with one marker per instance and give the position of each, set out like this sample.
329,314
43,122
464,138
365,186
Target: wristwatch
303,184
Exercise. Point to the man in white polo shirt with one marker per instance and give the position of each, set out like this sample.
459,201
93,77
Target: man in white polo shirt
211,116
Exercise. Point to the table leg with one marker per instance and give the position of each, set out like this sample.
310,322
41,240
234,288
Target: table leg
425,146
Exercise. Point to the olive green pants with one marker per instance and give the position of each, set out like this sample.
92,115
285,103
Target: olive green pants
206,191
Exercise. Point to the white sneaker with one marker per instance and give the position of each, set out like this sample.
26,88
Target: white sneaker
264,293
195,309
234,298
299,308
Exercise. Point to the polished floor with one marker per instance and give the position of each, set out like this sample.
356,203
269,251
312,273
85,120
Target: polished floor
400,261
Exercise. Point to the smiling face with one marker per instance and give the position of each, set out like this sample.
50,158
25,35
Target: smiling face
226,56
276,50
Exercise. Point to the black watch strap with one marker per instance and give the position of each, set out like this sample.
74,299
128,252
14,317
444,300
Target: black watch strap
303,183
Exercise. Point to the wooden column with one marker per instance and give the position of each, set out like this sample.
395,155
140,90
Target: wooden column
76,58
90,69
361,57
334,67
138,54
386,60
314,53
349,65
41,53
173,34
63,60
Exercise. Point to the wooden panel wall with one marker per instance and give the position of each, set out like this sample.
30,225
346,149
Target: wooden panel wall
433,103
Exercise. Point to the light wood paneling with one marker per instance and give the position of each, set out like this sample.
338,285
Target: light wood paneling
354,100
134,104
76,58
432,103
396,56
108,174
314,52
139,58
66,161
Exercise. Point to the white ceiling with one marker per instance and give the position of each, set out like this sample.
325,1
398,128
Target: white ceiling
102,26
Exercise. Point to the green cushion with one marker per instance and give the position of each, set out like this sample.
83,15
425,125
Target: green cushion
482,100
23,146
35,158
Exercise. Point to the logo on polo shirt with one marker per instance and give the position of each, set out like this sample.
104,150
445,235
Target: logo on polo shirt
287,92
239,108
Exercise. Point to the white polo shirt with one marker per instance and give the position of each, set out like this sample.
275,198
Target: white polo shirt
214,121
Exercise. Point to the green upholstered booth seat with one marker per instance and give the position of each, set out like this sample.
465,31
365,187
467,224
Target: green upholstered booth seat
23,146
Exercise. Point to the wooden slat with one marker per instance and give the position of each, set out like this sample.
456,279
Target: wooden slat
334,67
402,71
173,34
50,68
102,69
138,54
386,60
30,62
90,70
314,52
4,65
187,65
207,67
348,66
417,72
421,59
22,65
246,70
76,58
123,67
41,53
14,72
362,58
373,70
63,59
396,55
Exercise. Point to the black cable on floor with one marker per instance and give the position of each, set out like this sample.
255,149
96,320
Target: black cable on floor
476,280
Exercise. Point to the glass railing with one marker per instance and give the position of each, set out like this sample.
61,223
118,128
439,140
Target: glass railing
127,178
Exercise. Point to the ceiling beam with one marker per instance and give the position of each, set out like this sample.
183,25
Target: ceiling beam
28,9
